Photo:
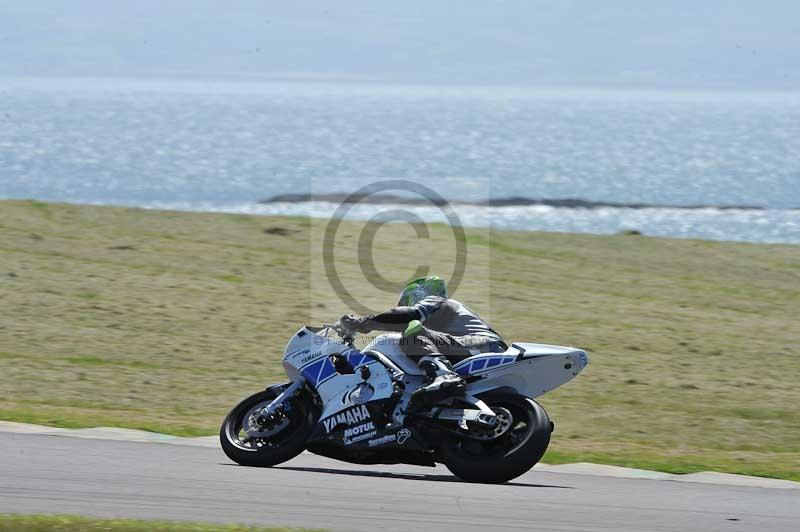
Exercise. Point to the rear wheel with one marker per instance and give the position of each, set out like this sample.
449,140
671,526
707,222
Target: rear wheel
247,443
524,440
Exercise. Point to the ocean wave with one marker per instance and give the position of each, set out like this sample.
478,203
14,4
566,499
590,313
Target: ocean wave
710,223
512,201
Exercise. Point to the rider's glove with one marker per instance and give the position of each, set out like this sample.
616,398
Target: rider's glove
355,323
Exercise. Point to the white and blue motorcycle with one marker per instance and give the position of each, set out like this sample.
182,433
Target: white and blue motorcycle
354,406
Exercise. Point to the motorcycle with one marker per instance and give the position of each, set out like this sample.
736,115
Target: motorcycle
356,406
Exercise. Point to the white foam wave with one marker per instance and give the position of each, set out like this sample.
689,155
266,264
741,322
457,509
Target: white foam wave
769,226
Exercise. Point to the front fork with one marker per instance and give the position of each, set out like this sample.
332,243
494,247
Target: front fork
269,411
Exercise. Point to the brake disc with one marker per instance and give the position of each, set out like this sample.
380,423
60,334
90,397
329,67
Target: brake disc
254,429
504,421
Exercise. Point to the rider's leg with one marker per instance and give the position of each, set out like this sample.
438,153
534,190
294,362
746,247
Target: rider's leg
438,351
427,349
457,348
467,346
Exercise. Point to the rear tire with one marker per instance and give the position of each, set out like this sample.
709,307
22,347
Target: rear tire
510,455
276,448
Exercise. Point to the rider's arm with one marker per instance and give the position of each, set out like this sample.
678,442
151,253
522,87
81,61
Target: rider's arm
397,318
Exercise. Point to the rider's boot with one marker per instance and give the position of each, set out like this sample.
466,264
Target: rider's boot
444,382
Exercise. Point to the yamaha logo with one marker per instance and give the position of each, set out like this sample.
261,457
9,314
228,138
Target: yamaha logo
309,358
348,417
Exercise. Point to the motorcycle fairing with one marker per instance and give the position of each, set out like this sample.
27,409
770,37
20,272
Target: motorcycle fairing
342,432
318,372
309,354
479,363
530,369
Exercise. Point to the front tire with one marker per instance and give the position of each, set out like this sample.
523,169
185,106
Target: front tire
510,455
286,442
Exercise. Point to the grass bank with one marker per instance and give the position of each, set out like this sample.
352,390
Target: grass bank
71,523
163,320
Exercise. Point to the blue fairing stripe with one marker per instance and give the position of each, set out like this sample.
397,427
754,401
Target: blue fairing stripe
326,371
356,358
463,370
484,363
311,372
322,370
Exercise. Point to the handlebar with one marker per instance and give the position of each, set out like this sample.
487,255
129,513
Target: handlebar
344,332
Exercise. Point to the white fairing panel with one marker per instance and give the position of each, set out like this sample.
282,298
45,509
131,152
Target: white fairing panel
530,369
308,354
389,346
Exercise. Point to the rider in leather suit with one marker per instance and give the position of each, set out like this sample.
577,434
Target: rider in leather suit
436,331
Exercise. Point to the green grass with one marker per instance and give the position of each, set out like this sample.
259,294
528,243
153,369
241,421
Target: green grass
70,523
163,320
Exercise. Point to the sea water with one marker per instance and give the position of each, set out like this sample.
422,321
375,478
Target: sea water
223,146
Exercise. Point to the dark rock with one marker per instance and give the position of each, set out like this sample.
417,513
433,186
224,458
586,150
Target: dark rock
280,231
573,203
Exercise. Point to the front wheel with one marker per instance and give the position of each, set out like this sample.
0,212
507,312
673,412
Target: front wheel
508,456
248,444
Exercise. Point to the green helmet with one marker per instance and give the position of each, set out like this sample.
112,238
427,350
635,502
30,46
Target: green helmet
419,289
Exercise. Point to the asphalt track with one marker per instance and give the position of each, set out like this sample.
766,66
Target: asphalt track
104,478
